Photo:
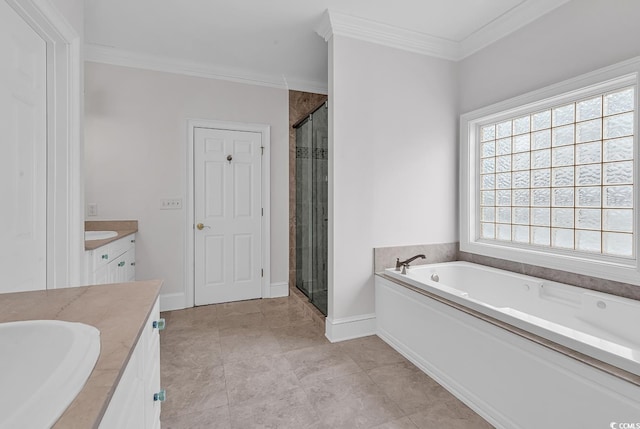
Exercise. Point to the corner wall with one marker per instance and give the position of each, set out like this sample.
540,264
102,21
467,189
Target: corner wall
392,167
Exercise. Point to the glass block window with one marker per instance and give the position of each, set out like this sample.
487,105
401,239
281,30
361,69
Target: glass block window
562,176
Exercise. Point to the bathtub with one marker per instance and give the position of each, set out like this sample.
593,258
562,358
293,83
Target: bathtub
45,364
521,351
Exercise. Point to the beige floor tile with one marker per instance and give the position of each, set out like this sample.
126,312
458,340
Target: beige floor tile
407,386
441,415
259,378
210,418
248,320
290,410
264,364
321,363
204,316
243,343
352,401
237,308
371,352
300,336
191,349
291,316
402,423
191,390
268,306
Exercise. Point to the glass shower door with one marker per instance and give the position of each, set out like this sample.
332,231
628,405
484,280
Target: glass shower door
311,208
304,135
319,174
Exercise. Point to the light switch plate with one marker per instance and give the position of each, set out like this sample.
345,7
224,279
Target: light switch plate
171,204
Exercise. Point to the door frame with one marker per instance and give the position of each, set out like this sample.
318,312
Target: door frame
65,192
265,189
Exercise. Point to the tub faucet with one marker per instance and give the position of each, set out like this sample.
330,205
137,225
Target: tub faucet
405,264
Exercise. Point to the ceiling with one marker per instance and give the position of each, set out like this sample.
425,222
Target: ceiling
277,42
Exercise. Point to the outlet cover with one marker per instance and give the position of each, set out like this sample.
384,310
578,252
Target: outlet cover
92,209
171,204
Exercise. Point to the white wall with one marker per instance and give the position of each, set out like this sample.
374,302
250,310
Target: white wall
135,155
392,160
578,37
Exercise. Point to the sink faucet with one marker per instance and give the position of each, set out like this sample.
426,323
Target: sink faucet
405,264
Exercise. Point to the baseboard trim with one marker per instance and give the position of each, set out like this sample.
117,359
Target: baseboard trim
172,301
278,290
348,328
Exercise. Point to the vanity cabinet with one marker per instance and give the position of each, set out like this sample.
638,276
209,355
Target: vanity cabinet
112,263
135,404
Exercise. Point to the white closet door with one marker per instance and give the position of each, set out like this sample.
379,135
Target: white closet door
23,158
227,179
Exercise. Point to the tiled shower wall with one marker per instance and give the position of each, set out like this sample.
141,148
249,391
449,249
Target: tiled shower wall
300,105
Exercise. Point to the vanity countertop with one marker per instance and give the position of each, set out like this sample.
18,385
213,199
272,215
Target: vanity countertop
122,227
119,311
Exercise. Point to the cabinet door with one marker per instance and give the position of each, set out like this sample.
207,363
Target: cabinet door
130,264
117,270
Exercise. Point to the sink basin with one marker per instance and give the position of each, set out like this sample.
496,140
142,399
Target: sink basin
45,364
99,235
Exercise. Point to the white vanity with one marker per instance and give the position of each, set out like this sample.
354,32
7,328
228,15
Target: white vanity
110,251
135,404
113,262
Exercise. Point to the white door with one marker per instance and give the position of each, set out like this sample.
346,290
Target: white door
227,215
23,155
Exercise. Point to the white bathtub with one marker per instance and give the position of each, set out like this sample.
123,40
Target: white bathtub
511,380
43,366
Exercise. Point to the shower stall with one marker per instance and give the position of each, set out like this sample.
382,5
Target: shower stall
311,206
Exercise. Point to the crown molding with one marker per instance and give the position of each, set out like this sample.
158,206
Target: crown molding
509,22
340,24
124,58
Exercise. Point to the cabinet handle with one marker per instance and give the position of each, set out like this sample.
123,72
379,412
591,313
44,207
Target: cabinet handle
121,264
105,256
160,396
133,241
159,324
133,264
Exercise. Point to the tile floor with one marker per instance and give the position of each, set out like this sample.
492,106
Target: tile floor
265,364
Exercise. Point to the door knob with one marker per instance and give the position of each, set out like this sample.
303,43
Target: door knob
202,226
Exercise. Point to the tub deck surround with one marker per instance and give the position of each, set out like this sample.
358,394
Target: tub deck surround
122,227
117,310
385,257
507,318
